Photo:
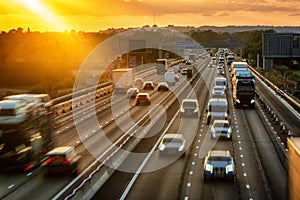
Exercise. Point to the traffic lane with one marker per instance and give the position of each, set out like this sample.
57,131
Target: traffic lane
163,173
250,173
39,187
275,171
279,108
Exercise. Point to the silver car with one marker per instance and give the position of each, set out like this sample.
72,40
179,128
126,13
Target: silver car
221,128
172,144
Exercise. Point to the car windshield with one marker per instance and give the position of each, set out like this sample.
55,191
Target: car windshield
221,125
219,158
189,104
172,140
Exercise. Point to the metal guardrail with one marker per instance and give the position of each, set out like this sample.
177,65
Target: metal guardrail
277,90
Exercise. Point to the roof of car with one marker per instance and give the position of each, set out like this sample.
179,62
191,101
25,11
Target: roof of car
60,150
189,100
173,135
224,153
11,104
218,100
223,121
142,93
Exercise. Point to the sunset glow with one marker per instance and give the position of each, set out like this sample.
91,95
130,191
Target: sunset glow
95,15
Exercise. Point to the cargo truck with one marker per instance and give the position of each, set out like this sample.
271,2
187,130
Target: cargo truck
293,167
24,135
122,79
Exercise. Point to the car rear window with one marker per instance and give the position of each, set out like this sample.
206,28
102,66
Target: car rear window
219,158
189,104
172,140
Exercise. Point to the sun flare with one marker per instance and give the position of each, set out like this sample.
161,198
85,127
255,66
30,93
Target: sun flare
44,13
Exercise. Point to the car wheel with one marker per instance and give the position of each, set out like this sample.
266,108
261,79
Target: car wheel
208,120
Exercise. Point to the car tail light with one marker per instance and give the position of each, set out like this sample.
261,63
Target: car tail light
48,161
66,162
29,166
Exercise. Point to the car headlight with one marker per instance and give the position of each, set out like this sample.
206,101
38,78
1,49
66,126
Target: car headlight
196,110
181,148
182,110
252,101
238,101
229,168
162,147
209,168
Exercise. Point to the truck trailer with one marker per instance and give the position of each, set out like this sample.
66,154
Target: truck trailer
293,167
122,79
25,135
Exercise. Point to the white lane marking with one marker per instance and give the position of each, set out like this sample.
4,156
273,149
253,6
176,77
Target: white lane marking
11,186
29,174
241,155
245,174
248,186
78,142
191,172
186,198
243,164
193,163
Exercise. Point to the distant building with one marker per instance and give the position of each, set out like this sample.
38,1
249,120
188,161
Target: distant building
279,45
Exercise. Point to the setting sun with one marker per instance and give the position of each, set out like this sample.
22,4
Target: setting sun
44,13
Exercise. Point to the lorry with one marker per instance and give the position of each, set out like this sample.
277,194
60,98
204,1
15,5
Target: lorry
122,79
243,91
170,77
161,66
24,136
293,167
192,57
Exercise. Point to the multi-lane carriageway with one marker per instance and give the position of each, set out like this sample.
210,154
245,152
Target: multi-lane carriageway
260,174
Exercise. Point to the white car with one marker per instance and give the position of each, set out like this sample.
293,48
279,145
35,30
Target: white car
132,92
221,128
62,160
172,144
189,108
218,92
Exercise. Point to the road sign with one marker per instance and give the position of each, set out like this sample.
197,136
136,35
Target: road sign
132,61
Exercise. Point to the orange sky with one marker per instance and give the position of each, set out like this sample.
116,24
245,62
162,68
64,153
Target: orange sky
93,15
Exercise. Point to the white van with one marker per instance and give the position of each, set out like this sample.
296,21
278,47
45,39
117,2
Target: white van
217,109
170,77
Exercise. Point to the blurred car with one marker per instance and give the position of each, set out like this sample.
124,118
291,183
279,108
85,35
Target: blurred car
221,128
221,81
217,108
184,71
176,78
142,98
148,85
162,86
138,82
218,164
62,160
172,144
221,71
132,92
218,92
119,90
189,108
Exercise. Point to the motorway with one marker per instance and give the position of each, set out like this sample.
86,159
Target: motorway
260,174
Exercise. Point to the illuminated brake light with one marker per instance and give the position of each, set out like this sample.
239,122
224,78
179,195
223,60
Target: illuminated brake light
66,162
29,167
48,161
